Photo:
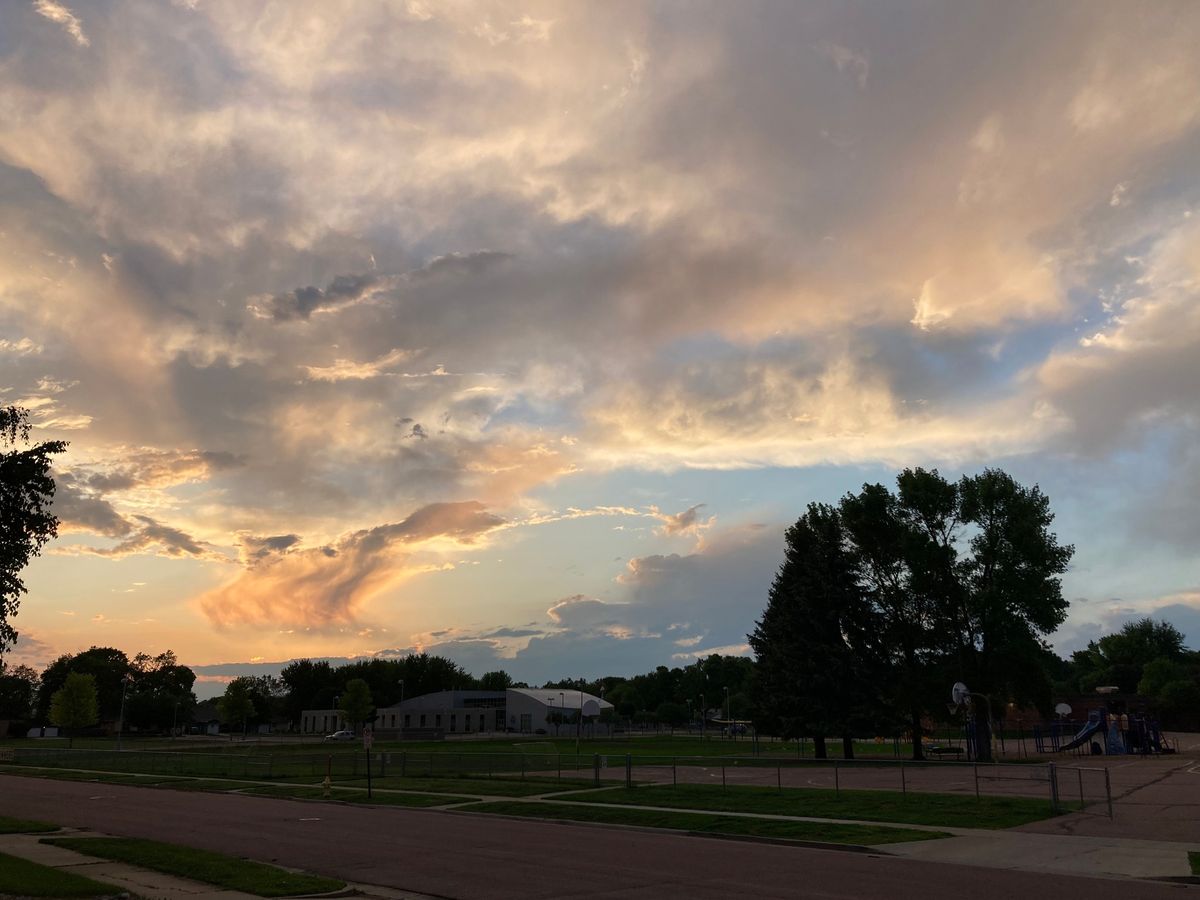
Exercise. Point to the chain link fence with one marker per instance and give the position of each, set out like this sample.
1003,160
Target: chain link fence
1066,789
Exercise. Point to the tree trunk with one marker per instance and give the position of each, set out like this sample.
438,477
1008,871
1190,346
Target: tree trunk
819,748
847,747
918,747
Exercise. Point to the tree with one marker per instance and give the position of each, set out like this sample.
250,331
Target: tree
110,667
18,686
160,693
356,703
939,582
812,643
74,705
236,704
26,522
495,681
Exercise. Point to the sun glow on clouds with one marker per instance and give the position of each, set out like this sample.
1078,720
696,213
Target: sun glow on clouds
327,300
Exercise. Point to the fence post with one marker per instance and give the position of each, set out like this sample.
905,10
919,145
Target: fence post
1108,791
837,787
1053,774
976,767
558,756
628,770
596,769
1079,772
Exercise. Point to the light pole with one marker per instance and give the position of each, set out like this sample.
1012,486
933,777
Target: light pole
121,721
578,726
562,708
728,723
401,709
691,715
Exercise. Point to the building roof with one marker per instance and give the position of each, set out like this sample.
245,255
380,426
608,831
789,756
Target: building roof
561,698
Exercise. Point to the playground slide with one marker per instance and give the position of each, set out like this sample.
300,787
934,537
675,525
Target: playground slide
1081,738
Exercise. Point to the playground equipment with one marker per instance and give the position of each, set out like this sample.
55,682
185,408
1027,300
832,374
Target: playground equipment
1102,733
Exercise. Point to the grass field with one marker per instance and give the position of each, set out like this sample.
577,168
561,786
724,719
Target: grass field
21,878
947,810
24,826
864,835
201,865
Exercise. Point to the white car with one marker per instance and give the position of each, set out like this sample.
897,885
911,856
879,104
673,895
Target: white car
340,736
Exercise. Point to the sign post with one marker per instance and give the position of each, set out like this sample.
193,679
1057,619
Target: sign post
368,740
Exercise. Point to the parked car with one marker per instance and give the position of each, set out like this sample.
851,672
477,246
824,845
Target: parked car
340,736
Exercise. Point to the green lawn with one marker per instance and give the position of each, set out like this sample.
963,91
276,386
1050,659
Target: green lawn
23,826
21,878
1194,861
201,865
863,835
951,810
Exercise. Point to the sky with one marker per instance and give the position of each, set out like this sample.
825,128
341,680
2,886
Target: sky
519,332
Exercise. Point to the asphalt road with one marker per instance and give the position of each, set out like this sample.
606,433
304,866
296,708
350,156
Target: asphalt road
462,856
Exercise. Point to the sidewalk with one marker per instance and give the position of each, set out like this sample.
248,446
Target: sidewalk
142,882
1103,857
1095,856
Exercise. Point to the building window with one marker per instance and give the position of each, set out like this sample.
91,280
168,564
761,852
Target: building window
526,723
422,720
437,721
407,720
452,717
481,725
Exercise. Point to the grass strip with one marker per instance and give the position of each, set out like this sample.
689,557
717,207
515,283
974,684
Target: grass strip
348,795
947,810
227,872
24,826
831,833
1194,861
22,878
481,785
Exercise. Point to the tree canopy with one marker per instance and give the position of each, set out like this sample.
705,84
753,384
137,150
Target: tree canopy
74,705
915,589
26,522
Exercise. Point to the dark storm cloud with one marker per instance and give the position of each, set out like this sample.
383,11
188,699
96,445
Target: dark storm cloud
303,302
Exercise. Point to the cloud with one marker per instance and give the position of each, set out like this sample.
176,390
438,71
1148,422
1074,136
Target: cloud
686,522
255,550
301,303
348,370
57,12
20,347
327,586
149,536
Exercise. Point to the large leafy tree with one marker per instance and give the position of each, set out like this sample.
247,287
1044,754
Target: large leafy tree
237,703
110,667
18,687
356,703
26,522
74,705
951,581
816,658
160,692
